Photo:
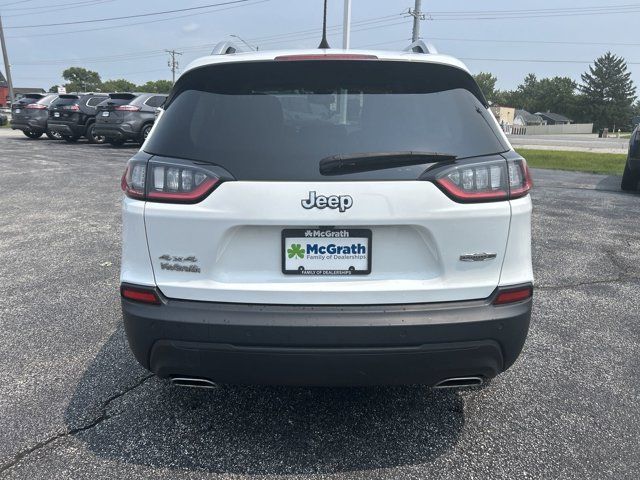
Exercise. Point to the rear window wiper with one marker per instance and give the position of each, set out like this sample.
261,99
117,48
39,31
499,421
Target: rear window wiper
367,162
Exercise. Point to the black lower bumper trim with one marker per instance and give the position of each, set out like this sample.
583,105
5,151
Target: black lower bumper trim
351,345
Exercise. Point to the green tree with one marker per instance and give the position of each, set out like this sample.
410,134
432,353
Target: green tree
81,80
608,92
119,85
487,83
54,89
158,86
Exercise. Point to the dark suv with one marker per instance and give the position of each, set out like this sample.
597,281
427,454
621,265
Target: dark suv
74,116
127,116
631,176
30,114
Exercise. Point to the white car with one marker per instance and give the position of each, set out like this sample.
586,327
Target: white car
326,217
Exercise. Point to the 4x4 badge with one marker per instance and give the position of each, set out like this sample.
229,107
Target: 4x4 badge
341,202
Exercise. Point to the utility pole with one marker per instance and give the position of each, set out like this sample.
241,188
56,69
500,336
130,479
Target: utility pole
417,15
173,63
346,25
7,67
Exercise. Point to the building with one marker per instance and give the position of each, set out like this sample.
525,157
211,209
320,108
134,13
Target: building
17,91
554,118
525,119
504,115
4,91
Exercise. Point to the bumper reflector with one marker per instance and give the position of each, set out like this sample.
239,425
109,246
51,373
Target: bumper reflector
513,295
140,294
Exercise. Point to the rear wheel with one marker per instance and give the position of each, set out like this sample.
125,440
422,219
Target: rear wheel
70,139
145,133
629,179
54,135
32,134
116,142
92,137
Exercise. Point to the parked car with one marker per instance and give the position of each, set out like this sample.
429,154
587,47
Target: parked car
127,116
265,247
74,116
631,175
3,119
18,105
32,118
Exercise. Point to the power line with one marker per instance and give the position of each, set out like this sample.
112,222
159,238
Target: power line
111,27
31,9
126,17
31,13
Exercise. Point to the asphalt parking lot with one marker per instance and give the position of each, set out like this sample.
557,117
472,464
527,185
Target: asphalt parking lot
75,404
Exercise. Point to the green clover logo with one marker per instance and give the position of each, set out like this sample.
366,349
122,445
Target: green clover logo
295,251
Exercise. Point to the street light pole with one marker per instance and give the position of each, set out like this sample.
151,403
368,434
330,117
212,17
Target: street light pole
7,67
346,25
417,16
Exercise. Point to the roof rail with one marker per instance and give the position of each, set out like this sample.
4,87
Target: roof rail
421,47
225,48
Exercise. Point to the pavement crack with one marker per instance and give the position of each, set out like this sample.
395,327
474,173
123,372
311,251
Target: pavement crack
104,415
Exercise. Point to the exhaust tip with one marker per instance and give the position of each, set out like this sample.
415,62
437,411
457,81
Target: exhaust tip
193,382
460,382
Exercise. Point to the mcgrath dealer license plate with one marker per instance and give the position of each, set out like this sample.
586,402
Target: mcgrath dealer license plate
326,251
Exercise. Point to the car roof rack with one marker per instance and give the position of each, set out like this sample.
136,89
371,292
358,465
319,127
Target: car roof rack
421,47
226,47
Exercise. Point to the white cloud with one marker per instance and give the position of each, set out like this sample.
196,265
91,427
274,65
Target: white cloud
190,27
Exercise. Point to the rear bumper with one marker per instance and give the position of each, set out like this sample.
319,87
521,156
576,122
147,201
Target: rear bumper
121,131
72,130
326,345
30,126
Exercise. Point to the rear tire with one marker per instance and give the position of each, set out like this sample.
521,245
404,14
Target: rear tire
116,142
629,179
70,139
32,135
54,135
145,133
92,137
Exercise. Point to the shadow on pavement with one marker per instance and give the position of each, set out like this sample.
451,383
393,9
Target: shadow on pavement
259,430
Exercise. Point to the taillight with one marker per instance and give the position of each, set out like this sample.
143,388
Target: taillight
167,182
140,294
73,108
513,295
36,106
325,56
486,181
128,108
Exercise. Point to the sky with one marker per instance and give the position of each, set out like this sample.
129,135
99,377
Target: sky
509,39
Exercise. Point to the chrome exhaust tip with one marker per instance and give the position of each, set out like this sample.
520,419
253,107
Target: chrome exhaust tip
193,382
460,382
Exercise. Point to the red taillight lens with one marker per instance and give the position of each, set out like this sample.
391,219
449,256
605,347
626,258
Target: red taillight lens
128,108
134,180
325,56
165,182
520,181
73,108
513,295
140,294
36,106
486,181
480,182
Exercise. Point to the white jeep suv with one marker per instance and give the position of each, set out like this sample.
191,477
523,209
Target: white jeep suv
326,217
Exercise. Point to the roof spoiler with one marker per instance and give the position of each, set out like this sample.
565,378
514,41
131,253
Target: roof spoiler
226,48
421,47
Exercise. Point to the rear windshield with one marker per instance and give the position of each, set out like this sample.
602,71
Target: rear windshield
66,100
277,120
47,100
29,98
